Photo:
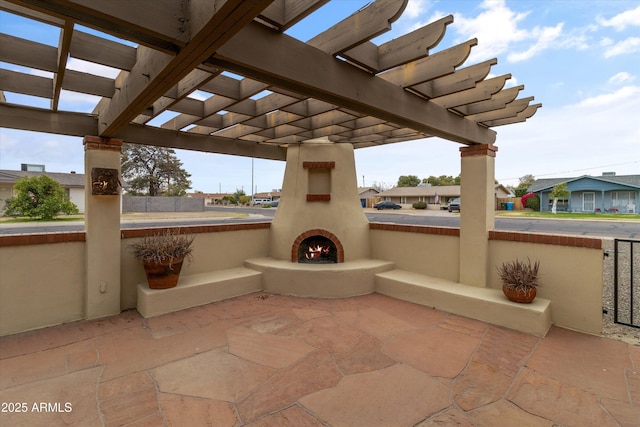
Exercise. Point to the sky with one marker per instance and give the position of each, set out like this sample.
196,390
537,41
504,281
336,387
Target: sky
579,58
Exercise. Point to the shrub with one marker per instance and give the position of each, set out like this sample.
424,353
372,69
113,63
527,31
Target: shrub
531,201
519,275
39,197
419,205
160,247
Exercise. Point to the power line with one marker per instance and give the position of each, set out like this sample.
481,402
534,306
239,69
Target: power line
575,170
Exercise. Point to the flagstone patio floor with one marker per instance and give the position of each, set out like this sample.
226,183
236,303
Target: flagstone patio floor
269,360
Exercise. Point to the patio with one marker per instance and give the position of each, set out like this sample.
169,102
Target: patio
271,360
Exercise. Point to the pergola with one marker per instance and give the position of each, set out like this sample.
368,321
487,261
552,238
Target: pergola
264,89
237,84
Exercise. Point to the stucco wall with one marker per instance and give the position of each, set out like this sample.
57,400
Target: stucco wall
429,254
41,285
211,251
571,277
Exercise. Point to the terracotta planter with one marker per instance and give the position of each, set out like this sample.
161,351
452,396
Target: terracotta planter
521,296
164,275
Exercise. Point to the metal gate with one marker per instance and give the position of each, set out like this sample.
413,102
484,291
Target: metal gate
627,282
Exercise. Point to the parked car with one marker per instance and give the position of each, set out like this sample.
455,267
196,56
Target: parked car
454,205
275,203
261,201
386,204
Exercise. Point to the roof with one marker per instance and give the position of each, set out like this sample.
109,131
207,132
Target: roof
65,179
427,191
423,191
362,190
231,80
548,183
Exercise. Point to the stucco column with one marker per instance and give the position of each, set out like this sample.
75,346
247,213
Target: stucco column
102,227
477,212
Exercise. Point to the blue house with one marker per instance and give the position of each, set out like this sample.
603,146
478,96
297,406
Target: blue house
606,193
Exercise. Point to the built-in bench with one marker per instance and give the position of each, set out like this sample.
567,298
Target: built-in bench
198,289
485,304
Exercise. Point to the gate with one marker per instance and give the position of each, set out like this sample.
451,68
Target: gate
626,282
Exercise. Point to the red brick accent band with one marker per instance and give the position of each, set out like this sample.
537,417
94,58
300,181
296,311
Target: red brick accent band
510,236
318,165
479,150
41,238
547,239
100,143
317,232
80,236
194,229
318,197
442,231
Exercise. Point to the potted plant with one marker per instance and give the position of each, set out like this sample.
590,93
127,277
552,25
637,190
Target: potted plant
162,255
519,280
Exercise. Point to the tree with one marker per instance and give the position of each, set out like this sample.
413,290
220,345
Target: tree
559,192
153,171
523,186
442,180
39,197
408,181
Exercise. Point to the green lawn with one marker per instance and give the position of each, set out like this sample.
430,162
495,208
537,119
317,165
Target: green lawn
61,218
567,215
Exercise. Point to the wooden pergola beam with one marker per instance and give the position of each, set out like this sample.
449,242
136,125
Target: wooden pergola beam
299,67
155,72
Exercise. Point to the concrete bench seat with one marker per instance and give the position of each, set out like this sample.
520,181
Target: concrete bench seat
487,305
339,280
198,289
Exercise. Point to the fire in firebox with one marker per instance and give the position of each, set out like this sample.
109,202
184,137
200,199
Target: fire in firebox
317,249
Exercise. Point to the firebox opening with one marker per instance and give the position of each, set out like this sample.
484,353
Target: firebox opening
317,250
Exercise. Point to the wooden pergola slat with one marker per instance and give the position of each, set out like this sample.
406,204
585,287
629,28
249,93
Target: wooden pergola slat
229,75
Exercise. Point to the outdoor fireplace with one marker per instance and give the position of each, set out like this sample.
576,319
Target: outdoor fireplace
317,247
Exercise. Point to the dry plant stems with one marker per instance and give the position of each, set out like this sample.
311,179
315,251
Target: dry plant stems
519,275
162,247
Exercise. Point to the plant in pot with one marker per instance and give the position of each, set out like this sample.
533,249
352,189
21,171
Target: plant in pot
162,255
519,280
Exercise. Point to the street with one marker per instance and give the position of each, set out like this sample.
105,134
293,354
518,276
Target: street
620,229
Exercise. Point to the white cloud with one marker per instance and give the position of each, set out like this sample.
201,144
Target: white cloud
597,134
629,18
92,68
496,29
621,77
625,47
76,101
546,37
415,8
500,29
610,99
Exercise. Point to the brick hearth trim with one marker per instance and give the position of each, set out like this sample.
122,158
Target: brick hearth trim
317,232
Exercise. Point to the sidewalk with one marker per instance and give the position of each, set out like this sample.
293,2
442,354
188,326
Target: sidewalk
268,360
